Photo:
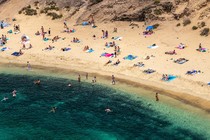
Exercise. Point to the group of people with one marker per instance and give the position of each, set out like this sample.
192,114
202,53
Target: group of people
16,28
75,40
105,34
14,94
3,40
165,77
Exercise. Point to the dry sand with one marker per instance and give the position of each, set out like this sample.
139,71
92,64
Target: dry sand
167,37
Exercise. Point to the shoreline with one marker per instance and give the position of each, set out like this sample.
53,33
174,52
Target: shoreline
183,97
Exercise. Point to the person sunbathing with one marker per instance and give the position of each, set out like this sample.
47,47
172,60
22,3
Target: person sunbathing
147,58
55,38
171,52
108,62
64,49
49,48
37,82
20,52
139,64
117,62
37,33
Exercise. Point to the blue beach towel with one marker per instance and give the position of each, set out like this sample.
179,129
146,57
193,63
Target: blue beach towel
85,23
171,78
90,51
16,54
130,57
4,49
46,39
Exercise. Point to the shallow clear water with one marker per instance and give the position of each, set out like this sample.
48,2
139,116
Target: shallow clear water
80,113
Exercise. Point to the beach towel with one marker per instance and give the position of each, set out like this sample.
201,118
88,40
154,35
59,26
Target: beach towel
107,54
149,71
153,47
181,61
4,49
150,28
72,31
16,54
4,24
9,32
202,50
192,72
130,57
46,39
117,38
85,23
171,78
90,51
66,49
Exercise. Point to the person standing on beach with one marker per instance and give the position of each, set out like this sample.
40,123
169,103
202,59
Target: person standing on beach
65,24
79,78
113,80
42,29
156,96
106,34
49,32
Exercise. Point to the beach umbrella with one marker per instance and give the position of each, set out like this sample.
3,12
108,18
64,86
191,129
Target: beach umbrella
150,28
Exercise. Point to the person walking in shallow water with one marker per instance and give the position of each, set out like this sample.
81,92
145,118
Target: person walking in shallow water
86,76
156,96
79,78
113,80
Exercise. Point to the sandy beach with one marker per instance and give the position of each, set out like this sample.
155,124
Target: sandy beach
167,37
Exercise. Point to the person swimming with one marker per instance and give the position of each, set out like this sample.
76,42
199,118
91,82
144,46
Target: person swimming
37,82
4,99
108,110
53,109
69,85
14,93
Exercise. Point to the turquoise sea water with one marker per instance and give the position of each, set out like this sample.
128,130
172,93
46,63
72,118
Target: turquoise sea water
80,113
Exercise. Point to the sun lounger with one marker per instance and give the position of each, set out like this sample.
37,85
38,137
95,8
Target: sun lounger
149,71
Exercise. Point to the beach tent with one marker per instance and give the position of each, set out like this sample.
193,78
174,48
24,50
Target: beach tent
150,28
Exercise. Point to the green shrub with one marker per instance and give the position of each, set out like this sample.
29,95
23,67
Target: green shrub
194,27
157,12
30,12
205,32
54,15
156,1
156,25
95,1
